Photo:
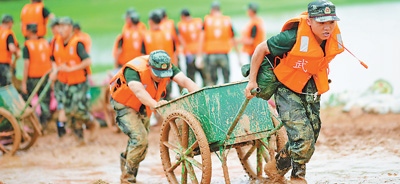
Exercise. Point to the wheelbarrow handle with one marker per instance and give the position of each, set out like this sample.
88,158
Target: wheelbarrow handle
255,91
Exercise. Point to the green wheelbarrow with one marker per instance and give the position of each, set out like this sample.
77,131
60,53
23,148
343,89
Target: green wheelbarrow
19,125
217,119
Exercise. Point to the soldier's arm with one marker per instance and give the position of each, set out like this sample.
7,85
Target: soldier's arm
140,92
256,60
184,81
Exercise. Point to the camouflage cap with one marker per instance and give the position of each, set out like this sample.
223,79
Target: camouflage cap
65,20
160,63
6,18
54,22
155,16
322,11
253,6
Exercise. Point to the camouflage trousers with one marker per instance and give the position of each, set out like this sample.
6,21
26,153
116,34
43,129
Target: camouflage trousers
191,68
300,114
74,99
211,65
5,74
77,104
44,103
136,126
60,94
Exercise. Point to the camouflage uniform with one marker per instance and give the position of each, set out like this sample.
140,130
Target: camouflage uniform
135,125
77,106
44,103
5,74
212,63
300,116
59,93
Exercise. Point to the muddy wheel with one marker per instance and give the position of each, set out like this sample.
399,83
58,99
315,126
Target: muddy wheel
30,131
257,153
10,133
184,149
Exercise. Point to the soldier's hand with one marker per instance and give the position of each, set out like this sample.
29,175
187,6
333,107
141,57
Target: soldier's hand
251,85
160,103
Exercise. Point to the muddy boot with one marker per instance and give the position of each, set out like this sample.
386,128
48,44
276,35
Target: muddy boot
61,131
273,174
129,176
283,161
79,135
298,174
93,127
122,162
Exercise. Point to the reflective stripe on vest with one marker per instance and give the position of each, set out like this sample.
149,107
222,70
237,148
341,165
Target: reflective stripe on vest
39,57
307,59
121,92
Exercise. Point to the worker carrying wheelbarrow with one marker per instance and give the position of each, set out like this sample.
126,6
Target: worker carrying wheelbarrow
302,52
135,90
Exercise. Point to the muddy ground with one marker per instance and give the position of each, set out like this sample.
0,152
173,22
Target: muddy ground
352,148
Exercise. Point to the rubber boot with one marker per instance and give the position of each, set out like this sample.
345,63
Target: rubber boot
129,176
298,174
79,134
278,167
122,162
61,129
283,161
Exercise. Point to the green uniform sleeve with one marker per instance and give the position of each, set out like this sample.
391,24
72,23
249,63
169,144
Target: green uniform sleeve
45,12
282,42
131,75
80,49
25,53
10,39
253,31
175,70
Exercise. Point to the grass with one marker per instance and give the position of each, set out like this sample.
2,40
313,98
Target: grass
102,19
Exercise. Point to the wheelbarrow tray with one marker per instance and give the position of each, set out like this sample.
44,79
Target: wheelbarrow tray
11,100
215,107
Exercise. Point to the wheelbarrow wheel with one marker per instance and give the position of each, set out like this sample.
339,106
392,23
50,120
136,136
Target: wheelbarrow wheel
184,149
257,153
30,130
10,133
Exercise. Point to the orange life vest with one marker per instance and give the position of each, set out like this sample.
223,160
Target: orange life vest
306,59
140,25
131,45
169,25
87,43
39,57
218,34
57,45
260,35
160,40
33,13
121,92
69,56
190,32
6,55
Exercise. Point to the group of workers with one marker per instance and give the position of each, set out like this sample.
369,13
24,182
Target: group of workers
148,61
63,59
